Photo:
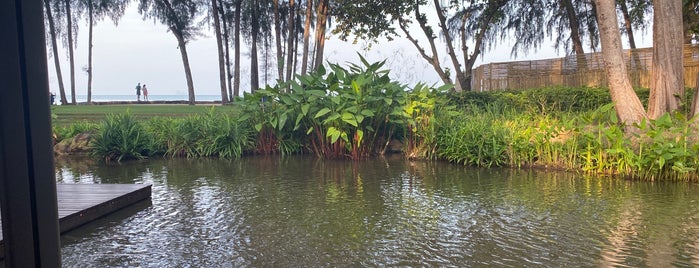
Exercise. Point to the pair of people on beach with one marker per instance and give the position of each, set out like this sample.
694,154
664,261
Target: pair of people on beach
138,92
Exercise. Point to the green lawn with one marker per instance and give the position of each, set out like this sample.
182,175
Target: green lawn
64,115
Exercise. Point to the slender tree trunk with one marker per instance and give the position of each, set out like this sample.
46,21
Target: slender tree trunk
321,23
306,35
278,40
667,74
575,33
313,53
70,51
296,56
219,45
628,107
464,49
89,52
290,45
629,32
627,23
226,42
695,101
236,58
460,78
265,57
185,61
254,68
54,47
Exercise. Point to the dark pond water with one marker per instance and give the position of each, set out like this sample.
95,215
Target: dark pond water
299,211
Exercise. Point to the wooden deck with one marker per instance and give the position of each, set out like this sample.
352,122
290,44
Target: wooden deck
79,204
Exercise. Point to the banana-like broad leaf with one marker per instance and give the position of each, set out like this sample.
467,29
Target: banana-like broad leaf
322,112
304,109
349,119
333,133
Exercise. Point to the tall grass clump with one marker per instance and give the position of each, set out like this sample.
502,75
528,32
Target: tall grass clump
121,137
475,140
425,112
202,135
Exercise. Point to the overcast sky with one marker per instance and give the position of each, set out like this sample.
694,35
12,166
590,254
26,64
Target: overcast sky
139,50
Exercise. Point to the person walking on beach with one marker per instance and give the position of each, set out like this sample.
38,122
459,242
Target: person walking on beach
138,92
145,93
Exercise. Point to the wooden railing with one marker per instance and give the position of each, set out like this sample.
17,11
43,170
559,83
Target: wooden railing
574,71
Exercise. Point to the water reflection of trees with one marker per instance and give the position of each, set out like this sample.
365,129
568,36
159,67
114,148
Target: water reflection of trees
655,226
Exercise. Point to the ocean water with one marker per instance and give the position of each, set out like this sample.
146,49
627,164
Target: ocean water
99,98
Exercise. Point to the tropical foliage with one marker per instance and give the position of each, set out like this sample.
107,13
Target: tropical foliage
355,112
121,137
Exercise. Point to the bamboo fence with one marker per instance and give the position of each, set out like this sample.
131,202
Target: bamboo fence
575,71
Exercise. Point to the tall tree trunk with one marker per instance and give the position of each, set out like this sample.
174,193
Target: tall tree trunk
627,23
667,74
628,27
254,68
54,47
226,42
185,61
219,45
575,33
460,78
306,35
628,107
321,22
265,57
290,45
236,58
89,52
278,40
296,54
70,51
695,101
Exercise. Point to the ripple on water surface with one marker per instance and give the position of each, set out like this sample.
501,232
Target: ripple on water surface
299,211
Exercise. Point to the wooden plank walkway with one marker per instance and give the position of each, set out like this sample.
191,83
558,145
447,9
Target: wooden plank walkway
79,204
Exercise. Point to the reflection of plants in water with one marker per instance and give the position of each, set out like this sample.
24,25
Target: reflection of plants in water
384,208
127,172
89,170
73,169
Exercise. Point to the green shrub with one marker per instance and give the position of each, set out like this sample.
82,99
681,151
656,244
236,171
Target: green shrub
76,128
540,100
339,112
213,134
474,141
121,137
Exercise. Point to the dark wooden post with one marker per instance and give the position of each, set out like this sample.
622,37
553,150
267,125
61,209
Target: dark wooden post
27,179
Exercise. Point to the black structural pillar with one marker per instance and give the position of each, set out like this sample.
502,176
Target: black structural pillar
27,179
